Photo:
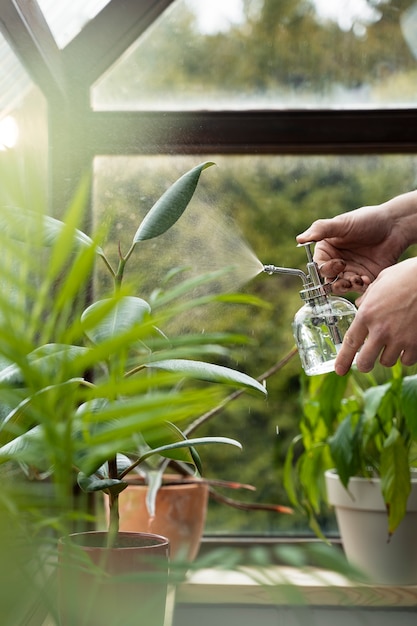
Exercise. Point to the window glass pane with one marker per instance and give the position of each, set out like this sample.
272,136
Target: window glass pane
24,152
67,18
15,83
269,54
245,208
23,133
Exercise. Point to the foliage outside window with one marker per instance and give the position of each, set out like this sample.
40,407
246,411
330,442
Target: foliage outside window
273,54
267,200
282,55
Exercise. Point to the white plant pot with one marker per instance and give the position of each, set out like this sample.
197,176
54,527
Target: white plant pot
362,520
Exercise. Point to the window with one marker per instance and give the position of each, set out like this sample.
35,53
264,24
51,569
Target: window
306,111
247,207
67,19
23,131
202,69
275,55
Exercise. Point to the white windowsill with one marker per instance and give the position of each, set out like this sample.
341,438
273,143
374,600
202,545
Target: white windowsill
280,585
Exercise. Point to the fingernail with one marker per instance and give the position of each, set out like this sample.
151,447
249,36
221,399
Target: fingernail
340,371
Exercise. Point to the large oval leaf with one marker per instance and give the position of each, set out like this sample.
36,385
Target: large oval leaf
209,372
102,324
47,360
373,398
48,229
170,206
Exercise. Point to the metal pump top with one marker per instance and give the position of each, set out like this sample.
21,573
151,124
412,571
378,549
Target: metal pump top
313,285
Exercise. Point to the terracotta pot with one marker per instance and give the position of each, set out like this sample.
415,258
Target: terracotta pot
362,520
126,584
180,515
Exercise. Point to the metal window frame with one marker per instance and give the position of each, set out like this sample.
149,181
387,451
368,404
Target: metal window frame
77,134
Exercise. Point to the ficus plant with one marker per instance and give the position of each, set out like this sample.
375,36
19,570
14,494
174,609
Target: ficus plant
361,425
103,389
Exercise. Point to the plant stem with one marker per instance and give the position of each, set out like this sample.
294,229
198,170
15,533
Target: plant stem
236,394
113,505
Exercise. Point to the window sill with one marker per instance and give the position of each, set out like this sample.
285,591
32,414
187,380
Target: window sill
280,585
219,596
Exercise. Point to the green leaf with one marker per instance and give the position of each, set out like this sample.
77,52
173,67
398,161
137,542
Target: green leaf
170,206
28,448
209,372
409,403
93,483
102,432
373,398
290,473
17,222
330,396
345,449
312,467
21,419
103,320
47,360
170,450
395,478
164,434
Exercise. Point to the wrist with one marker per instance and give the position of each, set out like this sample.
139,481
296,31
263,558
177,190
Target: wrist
402,210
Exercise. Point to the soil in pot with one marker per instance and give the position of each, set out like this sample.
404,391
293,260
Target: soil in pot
123,585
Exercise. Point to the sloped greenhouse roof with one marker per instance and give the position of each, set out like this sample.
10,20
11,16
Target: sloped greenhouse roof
14,80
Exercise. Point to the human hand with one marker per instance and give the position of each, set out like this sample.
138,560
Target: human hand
385,324
358,245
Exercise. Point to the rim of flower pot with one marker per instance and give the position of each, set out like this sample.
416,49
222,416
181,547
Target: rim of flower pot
97,540
168,480
339,496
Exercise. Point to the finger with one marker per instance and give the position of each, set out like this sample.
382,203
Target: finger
390,356
320,229
409,357
352,342
369,354
332,268
343,285
355,281
354,278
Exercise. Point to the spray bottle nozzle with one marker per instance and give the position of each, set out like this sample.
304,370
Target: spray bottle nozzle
313,285
274,269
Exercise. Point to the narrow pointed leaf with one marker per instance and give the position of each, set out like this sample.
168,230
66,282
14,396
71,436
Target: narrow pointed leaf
209,372
170,206
170,450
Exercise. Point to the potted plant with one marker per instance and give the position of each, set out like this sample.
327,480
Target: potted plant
359,433
58,418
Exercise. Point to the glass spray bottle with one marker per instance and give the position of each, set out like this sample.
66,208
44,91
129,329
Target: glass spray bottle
321,323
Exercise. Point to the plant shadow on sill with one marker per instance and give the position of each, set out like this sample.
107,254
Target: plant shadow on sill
301,553
274,549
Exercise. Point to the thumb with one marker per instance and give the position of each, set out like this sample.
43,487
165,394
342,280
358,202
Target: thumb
321,229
